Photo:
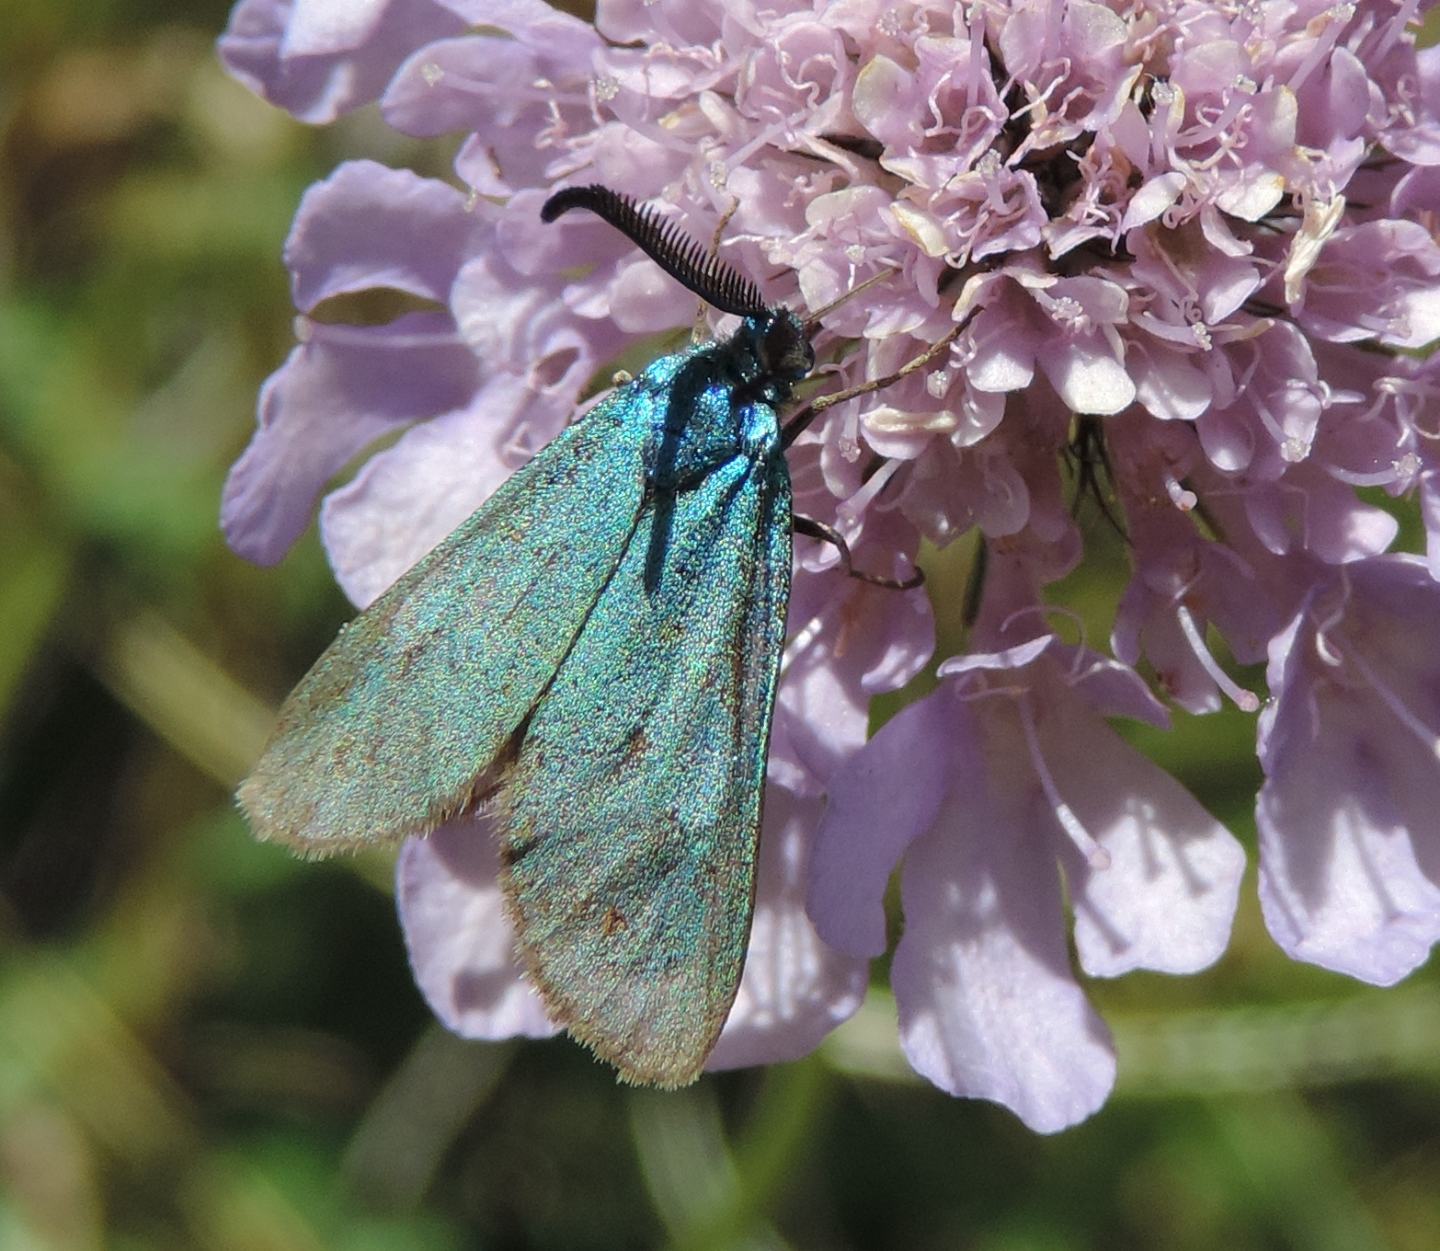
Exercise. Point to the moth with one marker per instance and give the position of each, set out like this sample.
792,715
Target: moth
595,653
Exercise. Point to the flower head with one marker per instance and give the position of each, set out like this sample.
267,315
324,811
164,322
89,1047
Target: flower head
1185,242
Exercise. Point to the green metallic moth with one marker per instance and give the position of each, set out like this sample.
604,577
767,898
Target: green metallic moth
594,653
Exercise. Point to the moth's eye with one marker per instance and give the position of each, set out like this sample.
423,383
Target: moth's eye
807,357
785,350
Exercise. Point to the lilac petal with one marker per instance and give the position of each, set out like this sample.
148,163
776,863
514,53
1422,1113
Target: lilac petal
1417,138
1349,866
886,797
1151,199
437,91
1168,385
462,949
1149,626
1416,192
504,89
820,721
319,58
1006,659
847,641
334,396
521,325
627,21
1111,688
988,1005
646,299
795,989
321,27
532,22
1004,349
1086,374
1339,527
410,496
1430,513
371,226
1339,881
1333,523
1227,439
1167,899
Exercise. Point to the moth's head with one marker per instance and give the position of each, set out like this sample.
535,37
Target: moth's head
783,346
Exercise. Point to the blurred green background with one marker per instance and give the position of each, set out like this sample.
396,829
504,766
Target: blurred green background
204,1043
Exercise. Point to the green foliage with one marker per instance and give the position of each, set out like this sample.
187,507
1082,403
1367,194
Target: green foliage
204,1043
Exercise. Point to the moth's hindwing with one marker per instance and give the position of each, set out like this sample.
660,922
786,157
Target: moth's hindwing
633,812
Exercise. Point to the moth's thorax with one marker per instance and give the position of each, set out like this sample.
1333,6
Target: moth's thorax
720,400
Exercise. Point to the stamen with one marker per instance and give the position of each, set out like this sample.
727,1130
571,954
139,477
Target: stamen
1183,499
1326,27
1393,30
976,21
1326,651
1245,700
1294,449
1216,124
891,24
1162,94
857,503
771,136
1066,311
1095,855
1045,612
1334,614
1401,470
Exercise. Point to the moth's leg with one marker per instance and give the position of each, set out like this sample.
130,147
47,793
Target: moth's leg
797,425
813,529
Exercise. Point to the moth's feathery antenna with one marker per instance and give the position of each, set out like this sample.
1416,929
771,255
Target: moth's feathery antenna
667,245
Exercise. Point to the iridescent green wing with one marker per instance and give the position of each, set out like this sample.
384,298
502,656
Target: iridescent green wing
632,815
390,732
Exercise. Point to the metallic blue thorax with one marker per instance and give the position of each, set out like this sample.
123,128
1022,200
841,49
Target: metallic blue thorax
711,403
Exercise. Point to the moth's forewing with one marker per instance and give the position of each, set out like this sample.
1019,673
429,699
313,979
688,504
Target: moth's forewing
632,814
392,729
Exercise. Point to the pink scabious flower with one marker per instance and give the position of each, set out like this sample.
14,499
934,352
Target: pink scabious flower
1184,241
